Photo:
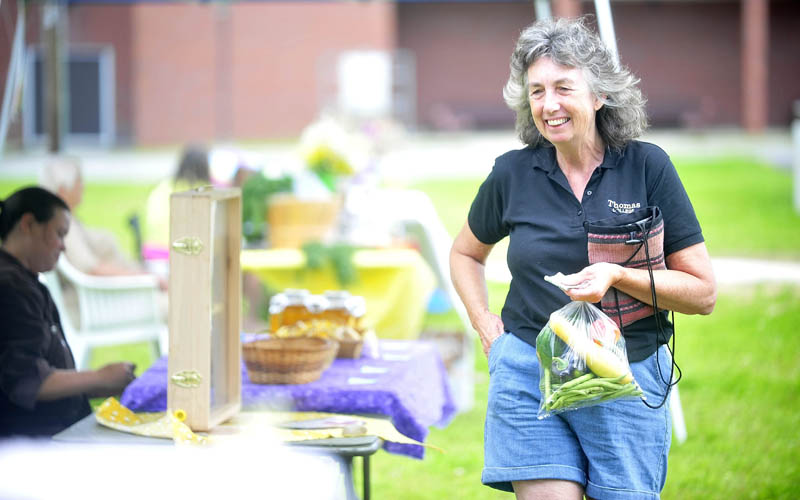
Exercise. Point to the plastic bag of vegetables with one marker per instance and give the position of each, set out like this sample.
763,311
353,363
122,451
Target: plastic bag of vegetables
582,360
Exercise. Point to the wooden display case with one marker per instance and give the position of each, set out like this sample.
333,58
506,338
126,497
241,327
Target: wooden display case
205,378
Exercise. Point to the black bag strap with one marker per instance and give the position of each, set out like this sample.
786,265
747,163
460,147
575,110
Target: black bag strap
638,224
645,226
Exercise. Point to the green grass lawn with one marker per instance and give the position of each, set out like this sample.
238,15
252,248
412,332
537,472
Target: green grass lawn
740,396
741,365
744,207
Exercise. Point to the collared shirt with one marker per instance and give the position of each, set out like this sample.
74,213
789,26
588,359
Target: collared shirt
32,346
527,197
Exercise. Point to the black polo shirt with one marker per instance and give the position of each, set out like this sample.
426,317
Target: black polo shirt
32,345
528,198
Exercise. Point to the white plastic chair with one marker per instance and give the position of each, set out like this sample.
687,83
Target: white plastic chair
413,214
112,310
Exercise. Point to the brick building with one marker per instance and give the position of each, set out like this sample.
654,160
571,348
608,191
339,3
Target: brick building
150,73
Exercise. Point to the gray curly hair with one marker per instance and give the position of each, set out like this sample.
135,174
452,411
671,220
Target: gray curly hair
569,42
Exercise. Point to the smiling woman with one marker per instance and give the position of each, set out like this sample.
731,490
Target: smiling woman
622,117
579,112
41,393
562,105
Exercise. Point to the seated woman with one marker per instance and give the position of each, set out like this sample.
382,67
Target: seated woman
41,393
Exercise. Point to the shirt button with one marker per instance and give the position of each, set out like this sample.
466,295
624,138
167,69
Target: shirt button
588,193
53,328
580,212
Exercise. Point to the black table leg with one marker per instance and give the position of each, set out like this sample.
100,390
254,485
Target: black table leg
365,459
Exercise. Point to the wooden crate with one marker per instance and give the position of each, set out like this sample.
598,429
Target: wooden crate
205,379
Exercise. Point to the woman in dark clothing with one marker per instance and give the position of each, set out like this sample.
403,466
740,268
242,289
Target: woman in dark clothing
579,113
41,393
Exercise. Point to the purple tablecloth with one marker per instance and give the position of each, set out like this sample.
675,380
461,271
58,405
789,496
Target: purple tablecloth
407,381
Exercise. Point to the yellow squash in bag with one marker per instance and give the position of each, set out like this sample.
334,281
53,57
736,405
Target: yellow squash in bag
601,361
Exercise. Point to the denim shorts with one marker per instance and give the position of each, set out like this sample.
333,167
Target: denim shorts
615,450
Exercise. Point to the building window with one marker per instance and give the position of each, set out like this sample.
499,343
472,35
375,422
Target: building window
90,97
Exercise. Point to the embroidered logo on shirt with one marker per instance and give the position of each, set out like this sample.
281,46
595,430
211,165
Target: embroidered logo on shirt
623,208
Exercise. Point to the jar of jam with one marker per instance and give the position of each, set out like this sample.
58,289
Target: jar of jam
357,307
344,309
337,310
316,305
287,308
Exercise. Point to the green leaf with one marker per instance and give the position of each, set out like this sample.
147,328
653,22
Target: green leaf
338,256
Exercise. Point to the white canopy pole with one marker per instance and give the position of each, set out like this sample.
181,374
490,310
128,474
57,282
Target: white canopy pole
605,23
542,9
14,75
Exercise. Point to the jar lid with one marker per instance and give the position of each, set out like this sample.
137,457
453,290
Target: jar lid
356,306
278,303
337,299
316,303
296,296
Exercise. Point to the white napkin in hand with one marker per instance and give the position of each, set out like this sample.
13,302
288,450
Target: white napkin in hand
558,280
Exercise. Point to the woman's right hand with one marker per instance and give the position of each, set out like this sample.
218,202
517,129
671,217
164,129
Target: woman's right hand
489,328
110,380
114,378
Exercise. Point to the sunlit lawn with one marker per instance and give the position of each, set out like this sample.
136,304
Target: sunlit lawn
741,365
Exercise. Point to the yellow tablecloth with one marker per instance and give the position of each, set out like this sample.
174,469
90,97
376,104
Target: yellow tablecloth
395,283
167,425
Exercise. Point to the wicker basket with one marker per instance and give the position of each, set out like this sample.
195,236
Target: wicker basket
288,361
350,349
